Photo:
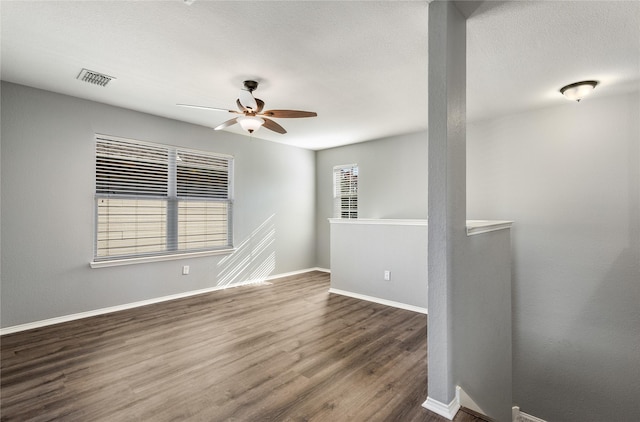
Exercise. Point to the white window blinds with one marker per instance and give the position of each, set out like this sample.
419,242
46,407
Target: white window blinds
155,199
124,168
345,191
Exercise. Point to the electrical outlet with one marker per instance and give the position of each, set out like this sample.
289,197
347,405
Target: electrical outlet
185,270
387,275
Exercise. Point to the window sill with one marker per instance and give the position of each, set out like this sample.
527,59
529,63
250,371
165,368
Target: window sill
157,258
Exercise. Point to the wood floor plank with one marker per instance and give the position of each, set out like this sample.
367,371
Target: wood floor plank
281,351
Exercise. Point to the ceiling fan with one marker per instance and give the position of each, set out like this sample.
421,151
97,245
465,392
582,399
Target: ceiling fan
252,114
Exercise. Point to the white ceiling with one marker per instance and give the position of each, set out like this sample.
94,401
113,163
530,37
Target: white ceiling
361,65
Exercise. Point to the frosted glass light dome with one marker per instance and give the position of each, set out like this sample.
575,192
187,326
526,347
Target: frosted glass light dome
578,90
250,123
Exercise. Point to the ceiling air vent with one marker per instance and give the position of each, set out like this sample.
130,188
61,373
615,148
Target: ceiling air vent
95,78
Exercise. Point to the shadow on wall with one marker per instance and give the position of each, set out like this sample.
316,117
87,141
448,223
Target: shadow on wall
589,360
594,357
253,260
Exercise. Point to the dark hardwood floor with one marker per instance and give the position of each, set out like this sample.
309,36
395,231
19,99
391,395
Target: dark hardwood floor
286,351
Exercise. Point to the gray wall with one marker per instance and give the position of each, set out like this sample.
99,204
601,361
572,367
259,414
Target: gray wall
362,250
447,220
392,182
48,167
469,336
482,325
570,178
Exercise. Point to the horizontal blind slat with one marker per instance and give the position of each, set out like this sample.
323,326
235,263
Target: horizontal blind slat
345,180
133,207
124,167
201,176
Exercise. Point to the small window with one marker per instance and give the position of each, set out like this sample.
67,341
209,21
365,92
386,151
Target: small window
345,191
154,199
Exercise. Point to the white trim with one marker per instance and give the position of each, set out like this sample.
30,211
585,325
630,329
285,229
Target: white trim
519,416
473,226
390,222
380,301
324,270
306,270
156,258
345,166
485,226
446,410
110,309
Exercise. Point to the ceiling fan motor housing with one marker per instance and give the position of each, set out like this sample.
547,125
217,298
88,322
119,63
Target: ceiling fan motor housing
250,85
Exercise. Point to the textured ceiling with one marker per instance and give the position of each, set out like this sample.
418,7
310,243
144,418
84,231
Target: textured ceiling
362,66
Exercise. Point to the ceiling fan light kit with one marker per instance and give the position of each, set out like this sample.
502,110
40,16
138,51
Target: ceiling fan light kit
251,110
250,123
578,90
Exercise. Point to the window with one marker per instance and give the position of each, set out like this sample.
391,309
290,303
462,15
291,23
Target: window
155,199
345,191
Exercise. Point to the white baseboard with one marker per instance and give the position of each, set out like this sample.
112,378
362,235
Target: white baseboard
380,301
446,410
306,270
519,416
110,309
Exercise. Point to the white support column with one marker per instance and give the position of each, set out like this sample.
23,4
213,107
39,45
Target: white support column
447,192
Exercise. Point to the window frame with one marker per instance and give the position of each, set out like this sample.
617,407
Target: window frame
173,201
339,196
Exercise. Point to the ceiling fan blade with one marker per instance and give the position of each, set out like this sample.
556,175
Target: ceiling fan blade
246,99
240,106
289,113
260,105
271,125
207,108
227,124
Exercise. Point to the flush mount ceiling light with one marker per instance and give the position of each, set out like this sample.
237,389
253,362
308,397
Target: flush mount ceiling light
577,91
250,123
